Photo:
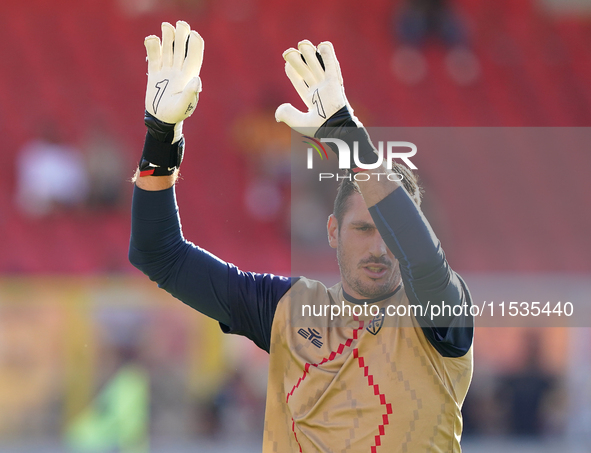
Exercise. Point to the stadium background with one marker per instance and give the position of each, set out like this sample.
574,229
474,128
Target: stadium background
75,317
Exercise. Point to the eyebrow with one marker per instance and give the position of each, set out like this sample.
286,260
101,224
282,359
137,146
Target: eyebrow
361,223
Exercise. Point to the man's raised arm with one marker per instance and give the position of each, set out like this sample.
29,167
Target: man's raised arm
316,75
243,302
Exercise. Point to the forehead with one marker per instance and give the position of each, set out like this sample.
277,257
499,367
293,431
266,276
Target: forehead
356,210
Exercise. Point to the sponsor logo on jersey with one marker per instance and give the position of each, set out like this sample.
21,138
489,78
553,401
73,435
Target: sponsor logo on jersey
312,335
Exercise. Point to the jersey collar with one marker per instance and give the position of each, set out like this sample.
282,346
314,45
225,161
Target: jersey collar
353,300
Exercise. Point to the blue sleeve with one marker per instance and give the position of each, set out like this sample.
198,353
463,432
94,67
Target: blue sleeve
425,271
243,303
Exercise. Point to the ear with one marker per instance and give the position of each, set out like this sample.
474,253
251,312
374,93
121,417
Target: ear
333,231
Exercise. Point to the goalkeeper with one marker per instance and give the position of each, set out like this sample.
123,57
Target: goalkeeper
362,384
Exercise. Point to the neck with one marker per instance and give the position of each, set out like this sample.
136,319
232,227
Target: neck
357,298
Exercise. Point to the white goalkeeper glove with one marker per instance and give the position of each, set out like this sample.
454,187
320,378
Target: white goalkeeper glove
173,74
316,75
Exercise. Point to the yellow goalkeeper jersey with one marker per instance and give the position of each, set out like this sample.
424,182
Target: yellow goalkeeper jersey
357,383
362,384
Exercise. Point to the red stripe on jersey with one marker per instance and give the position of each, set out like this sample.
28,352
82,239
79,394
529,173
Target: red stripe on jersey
376,391
332,356
294,434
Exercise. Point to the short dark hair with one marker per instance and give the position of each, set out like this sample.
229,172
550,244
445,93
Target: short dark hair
348,187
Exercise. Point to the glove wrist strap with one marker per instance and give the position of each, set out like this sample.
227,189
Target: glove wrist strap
160,156
161,131
342,126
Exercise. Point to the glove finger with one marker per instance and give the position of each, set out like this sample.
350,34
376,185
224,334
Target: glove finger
194,85
294,58
289,115
167,42
329,57
180,43
298,83
188,98
309,52
194,60
153,50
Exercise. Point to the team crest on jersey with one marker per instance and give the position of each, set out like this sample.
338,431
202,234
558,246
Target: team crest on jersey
376,323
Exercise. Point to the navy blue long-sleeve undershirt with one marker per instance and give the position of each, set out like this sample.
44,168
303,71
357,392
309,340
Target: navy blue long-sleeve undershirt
244,303
425,272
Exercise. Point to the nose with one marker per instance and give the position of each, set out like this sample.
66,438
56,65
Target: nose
378,247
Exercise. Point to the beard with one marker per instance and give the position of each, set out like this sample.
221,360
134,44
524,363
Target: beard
368,288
